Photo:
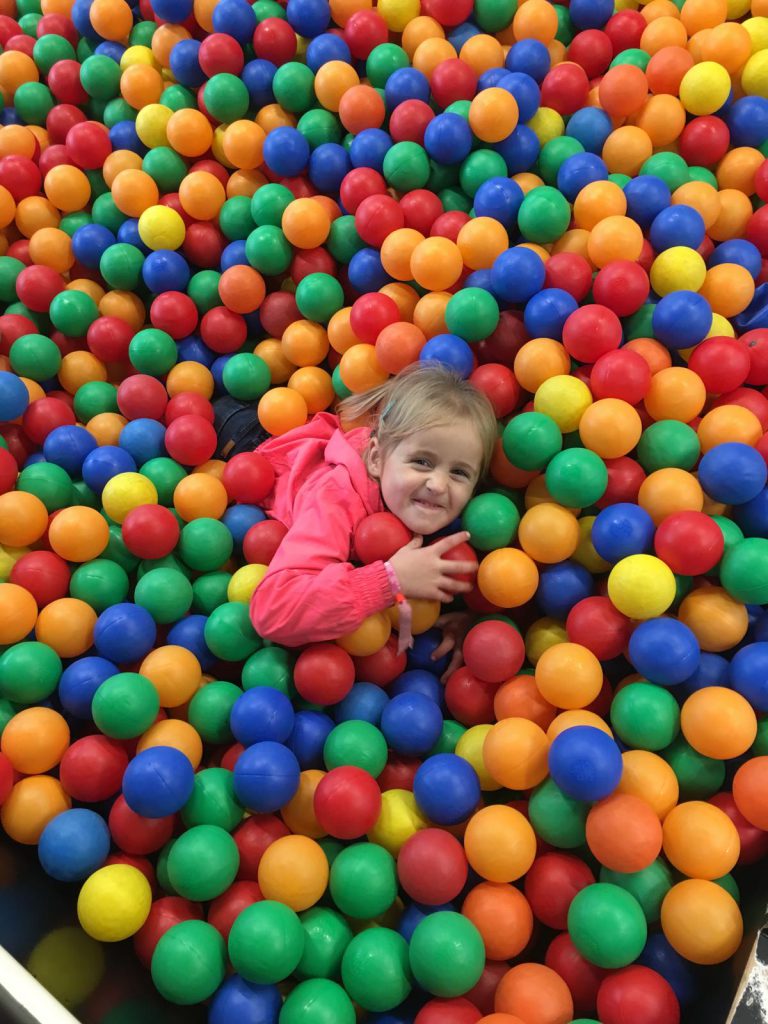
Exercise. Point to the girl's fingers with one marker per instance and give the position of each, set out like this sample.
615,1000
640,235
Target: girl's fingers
446,543
458,567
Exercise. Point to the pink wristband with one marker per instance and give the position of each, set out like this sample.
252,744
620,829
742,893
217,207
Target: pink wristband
405,635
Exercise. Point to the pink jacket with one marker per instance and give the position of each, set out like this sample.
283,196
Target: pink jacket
322,491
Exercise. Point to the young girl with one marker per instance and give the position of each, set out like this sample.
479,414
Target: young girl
428,440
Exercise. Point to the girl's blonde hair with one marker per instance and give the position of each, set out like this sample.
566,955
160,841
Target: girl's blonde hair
420,397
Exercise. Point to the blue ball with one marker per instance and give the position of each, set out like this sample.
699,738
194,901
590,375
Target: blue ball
365,271
411,724
621,530
526,91
261,713
90,242
752,516
238,519
677,225
233,255
193,349
499,198
664,651
590,13
308,18
749,674
448,139
451,350
123,135
110,49
328,165
14,397
737,250
578,171
307,740
424,645
585,763
365,702
446,788
325,48
103,463
479,279
74,844
520,149
128,234
286,152
189,632
185,63
143,439
257,77
517,275
172,10
78,683
491,78
529,56
418,680
561,586
646,197
713,670
413,915
682,319
733,473
459,35
369,148
266,777
124,633
69,447
158,781
680,973
245,1002
81,16
591,127
747,120
406,84
235,18
165,271
545,314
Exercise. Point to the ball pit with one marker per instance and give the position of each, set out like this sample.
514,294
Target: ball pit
275,206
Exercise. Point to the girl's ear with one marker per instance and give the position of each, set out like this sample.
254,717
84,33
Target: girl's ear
373,457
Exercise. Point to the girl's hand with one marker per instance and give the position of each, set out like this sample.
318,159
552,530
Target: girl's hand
424,573
455,626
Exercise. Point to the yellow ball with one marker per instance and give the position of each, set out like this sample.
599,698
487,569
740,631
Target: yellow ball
244,582
160,227
641,586
470,747
757,30
721,327
68,963
678,268
399,819
151,122
8,558
541,635
369,637
138,55
114,902
563,398
125,492
705,88
546,124
754,77
397,13
585,553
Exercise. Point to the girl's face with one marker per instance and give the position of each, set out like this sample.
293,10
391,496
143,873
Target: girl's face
427,479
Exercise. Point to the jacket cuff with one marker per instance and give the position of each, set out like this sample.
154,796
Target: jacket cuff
375,587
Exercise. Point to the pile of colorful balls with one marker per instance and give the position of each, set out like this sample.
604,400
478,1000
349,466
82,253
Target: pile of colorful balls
283,205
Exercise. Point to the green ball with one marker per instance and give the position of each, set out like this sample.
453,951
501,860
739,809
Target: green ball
120,265
406,166
607,925
142,32
450,734
29,672
492,521
271,666
670,167
699,777
210,708
649,886
319,296
363,882
205,544
165,167
268,204
165,593
48,482
554,154
375,969
632,56
203,862
83,495
744,570
189,962
246,376
177,97
209,591
117,110
268,9
125,705
152,351
213,800
531,440
72,313
668,443
560,820
35,356
10,268
494,15
226,98
447,954
268,250
203,289
760,746
73,221
33,102
728,882
116,551
544,215
356,743
319,126
50,49
294,87
166,475
343,240
266,942
100,583
340,388
479,167
318,1000
472,313
383,61
645,716
326,936
105,212
565,27
7,712
576,478
235,218
229,633
703,174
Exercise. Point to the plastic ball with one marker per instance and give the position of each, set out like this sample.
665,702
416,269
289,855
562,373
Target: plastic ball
114,903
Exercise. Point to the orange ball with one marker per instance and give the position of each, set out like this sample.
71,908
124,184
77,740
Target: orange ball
23,519
340,333
702,921
651,778
360,369
718,722
299,813
189,376
728,288
508,577
242,289
67,188
499,841
502,915
16,69
676,393
172,732
662,118
112,19
271,351
519,697
369,637
626,149
735,211
398,345
174,672
536,19
666,69
361,107
482,239
614,238
52,247
624,833
30,805
306,223
429,313
482,52
700,840
493,114
35,739
18,613
67,626
243,144
548,533
315,385
106,427
670,490
596,201
538,360
201,195
134,191
201,496
282,409
569,676
189,132
515,753
417,30
729,423
533,992
79,368
717,620
305,343
436,263
140,85
78,533
623,90
294,870
661,33
397,250
750,791
332,81
610,427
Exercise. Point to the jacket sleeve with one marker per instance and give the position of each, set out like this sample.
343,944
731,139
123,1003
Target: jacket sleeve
311,592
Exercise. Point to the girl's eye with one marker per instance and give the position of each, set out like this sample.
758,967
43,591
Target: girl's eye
421,462
461,472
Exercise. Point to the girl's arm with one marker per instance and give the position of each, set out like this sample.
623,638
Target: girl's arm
312,593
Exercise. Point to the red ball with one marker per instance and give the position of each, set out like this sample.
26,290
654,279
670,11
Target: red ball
499,384
550,885
9,470
248,478
448,1011
370,314
462,553
88,144
59,121
356,186
757,229
409,120
591,50
483,993
347,802
57,25
449,224
493,651
637,995
64,82
432,867
135,834
252,838
625,477
275,40
691,543
753,840
191,440
203,244
382,667
379,536
220,53
7,778
8,29
761,180
591,331
565,88
622,286
469,699
621,374
13,326
364,31
38,285
311,261
150,531
188,403
399,773
224,910
704,140
175,313
624,30
569,271
91,769
595,623
421,208
44,415
277,311
141,397
506,341
222,330
582,978
757,346
262,541
447,12
376,217
22,178
324,673
43,573
55,155
163,914
108,338
172,201
453,80
21,43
